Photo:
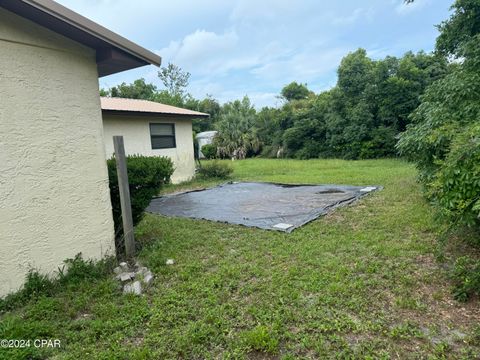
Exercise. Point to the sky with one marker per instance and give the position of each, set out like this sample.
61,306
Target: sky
234,48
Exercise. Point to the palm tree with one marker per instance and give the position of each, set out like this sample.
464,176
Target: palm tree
236,133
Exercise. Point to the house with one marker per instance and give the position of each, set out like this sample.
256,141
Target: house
54,195
152,129
205,138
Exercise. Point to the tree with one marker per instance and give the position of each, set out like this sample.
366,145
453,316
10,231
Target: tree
444,137
165,97
139,89
174,79
295,91
359,118
354,73
207,105
399,83
268,125
462,26
306,138
236,132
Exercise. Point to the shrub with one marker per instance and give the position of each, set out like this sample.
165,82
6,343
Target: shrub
466,278
216,169
209,151
444,142
146,175
456,188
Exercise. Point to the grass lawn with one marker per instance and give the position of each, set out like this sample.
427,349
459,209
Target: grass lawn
361,282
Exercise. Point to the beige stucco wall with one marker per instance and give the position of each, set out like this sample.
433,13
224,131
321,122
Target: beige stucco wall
54,198
136,135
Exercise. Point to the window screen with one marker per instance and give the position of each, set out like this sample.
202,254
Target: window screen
163,136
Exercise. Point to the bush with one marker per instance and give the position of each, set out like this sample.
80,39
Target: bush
444,142
466,278
209,151
146,175
216,169
456,188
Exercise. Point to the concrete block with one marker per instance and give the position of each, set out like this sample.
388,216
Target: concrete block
133,288
142,270
126,276
148,278
282,226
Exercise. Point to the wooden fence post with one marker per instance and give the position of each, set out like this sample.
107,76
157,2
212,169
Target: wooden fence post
124,190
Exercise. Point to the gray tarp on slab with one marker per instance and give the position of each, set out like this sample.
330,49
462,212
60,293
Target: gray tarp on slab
264,205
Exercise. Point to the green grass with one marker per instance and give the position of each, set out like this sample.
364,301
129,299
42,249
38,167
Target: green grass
361,282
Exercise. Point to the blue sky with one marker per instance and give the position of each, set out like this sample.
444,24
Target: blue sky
255,47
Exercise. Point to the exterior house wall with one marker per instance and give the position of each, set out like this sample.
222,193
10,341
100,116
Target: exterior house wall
54,196
136,132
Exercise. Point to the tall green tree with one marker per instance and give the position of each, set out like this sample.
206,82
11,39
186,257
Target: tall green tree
139,89
355,73
307,137
207,105
462,26
295,91
175,79
363,114
444,138
236,132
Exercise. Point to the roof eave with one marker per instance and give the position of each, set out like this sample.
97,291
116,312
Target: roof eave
114,52
150,113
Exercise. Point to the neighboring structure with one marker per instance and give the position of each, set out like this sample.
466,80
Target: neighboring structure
54,196
205,138
152,129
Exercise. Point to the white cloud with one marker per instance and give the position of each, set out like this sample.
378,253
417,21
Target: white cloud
262,99
213,59
304,66
252,11
233,48
201,51
206,53
204,86
356,15
258,99
228,92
